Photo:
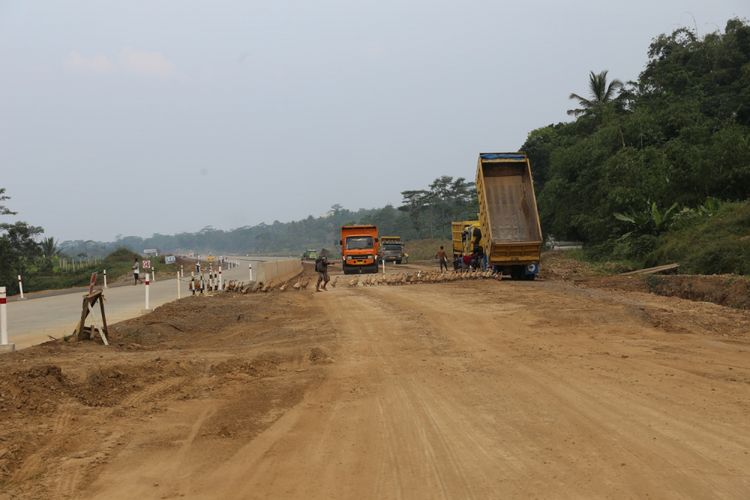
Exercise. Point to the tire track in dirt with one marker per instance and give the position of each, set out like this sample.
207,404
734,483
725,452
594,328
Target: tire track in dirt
35,463
152,390
383,413
685,443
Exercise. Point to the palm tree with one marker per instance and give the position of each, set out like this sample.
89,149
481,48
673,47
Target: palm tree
49,248
601,94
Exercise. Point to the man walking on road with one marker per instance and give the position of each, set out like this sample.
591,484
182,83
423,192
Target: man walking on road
443,258
136,271
321,267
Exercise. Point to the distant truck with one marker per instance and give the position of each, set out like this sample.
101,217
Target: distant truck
460,232
511,238
392,249
310,255
359,249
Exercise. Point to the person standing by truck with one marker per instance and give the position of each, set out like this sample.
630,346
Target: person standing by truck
443,258
321,267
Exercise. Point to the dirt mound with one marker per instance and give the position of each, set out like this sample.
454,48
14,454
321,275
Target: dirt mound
725,290
559,265
191,316
34,390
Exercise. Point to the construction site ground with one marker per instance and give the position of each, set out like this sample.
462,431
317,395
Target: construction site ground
467,389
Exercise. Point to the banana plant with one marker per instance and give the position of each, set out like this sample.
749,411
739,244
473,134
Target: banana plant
650,220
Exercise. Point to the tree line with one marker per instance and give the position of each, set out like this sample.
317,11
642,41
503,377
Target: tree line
424,213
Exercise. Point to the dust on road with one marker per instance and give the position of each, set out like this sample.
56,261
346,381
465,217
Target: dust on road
479,389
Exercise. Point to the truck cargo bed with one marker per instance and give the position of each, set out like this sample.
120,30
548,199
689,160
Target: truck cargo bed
510,209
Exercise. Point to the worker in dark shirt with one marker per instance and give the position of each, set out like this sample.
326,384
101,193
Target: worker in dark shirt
321,267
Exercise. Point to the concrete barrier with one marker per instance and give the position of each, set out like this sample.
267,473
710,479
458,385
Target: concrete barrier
276,270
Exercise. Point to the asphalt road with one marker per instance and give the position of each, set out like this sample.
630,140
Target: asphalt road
35,320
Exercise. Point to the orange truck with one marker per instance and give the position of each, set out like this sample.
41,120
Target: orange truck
359,249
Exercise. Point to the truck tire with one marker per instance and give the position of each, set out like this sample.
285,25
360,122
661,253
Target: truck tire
398,261
517,272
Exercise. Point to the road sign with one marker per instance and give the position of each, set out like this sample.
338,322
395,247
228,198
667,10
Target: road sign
170,259
146,264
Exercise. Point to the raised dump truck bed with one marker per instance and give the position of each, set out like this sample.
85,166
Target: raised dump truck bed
508,216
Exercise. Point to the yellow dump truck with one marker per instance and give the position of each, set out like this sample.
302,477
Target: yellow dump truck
511,239
460,231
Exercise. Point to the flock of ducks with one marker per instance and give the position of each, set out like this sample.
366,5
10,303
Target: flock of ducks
407,278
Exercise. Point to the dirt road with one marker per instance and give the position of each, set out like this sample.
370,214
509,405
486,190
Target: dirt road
480,389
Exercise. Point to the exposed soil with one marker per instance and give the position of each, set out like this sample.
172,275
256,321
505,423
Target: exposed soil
726,290
467,389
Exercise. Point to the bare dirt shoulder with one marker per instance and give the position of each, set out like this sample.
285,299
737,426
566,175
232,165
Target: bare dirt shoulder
211,370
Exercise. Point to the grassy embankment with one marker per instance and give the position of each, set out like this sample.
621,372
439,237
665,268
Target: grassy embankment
711,243
118,265
716,244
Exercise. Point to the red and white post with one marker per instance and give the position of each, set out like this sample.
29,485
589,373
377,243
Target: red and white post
221,280
147,283
20,285
4,344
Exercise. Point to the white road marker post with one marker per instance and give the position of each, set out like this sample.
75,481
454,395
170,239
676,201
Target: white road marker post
20,285
383,266
105,278
182,272
179,291
4,344
148,280
221,280
250,271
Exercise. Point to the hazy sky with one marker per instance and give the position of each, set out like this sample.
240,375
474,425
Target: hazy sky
134,117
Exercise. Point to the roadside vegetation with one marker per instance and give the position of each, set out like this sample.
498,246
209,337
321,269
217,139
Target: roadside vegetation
657,169
118,265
